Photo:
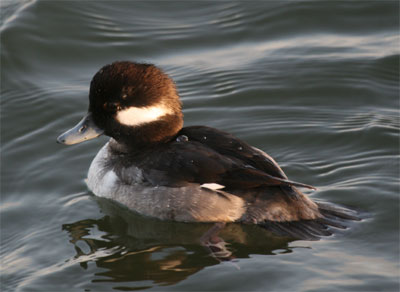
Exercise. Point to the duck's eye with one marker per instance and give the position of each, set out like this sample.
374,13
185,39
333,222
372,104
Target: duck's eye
111,106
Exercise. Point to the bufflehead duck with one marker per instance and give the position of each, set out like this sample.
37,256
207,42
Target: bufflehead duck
156,167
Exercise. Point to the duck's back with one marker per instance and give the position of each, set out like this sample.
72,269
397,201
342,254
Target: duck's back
283,209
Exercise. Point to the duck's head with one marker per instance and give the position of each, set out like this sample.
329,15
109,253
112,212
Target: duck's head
136,104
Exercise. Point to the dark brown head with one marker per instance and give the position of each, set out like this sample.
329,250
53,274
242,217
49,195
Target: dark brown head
136,104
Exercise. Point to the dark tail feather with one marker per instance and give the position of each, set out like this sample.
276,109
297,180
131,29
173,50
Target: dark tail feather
333,212
286,182
334,217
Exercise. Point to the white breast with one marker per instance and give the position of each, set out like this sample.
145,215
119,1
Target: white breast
101,181
206,203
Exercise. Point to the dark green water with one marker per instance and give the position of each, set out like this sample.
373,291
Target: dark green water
315,84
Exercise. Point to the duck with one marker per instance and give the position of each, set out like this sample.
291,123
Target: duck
156,167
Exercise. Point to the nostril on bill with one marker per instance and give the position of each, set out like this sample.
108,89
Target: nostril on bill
81,129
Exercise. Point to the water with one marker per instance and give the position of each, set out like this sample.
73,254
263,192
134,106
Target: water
314,84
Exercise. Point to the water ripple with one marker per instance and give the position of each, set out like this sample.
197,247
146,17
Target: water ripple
318,91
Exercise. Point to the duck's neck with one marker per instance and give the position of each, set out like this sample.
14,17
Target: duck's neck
132,149
147,136
117,147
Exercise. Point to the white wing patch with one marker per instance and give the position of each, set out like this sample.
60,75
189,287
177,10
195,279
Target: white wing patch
212,186
135,116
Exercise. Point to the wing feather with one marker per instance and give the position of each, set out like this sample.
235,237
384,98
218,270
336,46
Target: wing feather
212,156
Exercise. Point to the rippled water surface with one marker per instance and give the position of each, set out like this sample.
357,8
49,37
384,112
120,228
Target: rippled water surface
315,84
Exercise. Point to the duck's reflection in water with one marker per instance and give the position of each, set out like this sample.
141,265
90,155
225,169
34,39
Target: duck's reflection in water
134,248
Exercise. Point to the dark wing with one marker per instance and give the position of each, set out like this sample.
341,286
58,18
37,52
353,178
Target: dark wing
180,162
262,165
227,144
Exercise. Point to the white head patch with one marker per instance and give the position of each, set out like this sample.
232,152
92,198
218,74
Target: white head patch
134,116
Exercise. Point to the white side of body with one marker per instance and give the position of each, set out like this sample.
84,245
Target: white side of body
188,203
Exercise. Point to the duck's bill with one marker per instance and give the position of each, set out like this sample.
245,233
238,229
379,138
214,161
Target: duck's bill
83,131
